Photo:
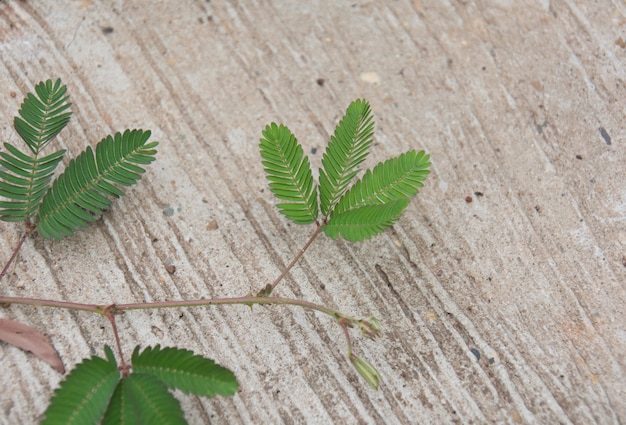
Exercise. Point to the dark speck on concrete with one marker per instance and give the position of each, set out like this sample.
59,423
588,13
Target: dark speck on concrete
107,30
605,135
476,353
168,211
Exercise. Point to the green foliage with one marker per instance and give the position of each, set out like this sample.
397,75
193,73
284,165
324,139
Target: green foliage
396,178
27,177
96,390
183,370
377,200
44,115
82,192
143,399
372,204
84,395
289,173
364,222
347,149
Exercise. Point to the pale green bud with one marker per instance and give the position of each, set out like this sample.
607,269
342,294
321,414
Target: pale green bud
366,370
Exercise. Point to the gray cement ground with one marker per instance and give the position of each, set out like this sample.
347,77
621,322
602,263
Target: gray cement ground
519,103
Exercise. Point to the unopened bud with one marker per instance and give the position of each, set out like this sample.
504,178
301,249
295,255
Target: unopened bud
366,370
370,328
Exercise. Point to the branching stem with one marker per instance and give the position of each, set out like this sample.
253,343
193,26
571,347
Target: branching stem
298,256
110,309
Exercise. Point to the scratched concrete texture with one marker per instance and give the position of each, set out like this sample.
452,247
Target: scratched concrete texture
501,289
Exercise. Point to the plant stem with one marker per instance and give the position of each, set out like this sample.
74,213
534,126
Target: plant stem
298,256
14,254
110,315
110,310
344,327
113,308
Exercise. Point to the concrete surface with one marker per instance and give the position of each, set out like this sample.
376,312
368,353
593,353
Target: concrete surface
506,309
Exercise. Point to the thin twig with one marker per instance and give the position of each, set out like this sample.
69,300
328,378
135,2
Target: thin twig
14,254
109,315
298,256
344,325
113,308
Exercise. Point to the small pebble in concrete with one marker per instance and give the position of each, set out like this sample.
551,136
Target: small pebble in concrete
476,353
168,211
370,77
605,135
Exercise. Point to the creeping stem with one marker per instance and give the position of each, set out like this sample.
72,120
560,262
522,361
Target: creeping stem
115,308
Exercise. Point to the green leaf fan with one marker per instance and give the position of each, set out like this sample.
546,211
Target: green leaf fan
71,404
43,116
80,193
347,149
372,204
24,179
186,371
84,189
143,399
376,201
289,173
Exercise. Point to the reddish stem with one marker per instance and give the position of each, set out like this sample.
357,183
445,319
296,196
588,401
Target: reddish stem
28,231
298,256
113,308
108,312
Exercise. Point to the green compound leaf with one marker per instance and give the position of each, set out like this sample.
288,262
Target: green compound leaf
376,201
289,173
364,222
43,116
347,149
143,399
396,178
25,182
26,178
82,191
188,372
84,395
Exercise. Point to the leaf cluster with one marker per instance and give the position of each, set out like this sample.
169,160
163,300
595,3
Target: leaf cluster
355,212
96,390
85,188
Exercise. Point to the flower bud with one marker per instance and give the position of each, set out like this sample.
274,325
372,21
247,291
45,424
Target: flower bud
370,328
366,370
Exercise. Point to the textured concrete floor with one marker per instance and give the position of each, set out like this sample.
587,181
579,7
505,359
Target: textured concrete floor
519,103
